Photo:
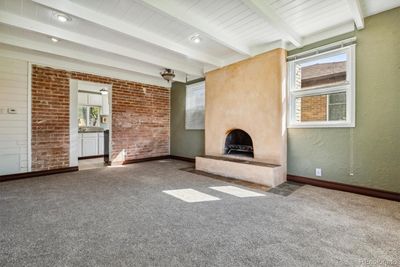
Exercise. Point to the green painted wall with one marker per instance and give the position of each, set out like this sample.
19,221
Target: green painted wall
371,150
184,143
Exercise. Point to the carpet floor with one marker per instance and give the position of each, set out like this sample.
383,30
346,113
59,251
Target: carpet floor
119,216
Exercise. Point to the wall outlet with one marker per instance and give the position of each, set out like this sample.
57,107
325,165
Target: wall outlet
318,172
12,111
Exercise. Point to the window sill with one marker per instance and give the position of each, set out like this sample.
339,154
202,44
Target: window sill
323,125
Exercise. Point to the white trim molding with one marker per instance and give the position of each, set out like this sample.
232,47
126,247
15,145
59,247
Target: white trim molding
73,123
29,112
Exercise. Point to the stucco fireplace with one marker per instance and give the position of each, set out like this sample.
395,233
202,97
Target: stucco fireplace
245,127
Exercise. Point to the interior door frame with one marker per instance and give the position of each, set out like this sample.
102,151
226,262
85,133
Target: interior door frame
73,121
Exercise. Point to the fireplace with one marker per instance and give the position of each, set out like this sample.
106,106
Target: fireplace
239,143
245,126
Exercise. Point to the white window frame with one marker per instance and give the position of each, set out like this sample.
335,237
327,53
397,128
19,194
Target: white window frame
348,87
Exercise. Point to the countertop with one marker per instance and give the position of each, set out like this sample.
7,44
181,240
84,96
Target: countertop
91,130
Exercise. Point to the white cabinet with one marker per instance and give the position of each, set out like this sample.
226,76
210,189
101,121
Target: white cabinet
82,98
101,143
90,99
95,100
90,144
105,107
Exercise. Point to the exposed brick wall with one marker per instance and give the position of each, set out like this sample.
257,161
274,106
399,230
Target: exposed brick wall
50,119
140,118
313,108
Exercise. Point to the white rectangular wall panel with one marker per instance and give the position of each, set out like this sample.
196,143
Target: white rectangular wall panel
14,116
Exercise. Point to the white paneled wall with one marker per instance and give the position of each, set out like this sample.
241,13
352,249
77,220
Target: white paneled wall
13,124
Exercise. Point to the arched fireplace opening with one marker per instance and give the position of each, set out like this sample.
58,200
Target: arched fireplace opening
238,142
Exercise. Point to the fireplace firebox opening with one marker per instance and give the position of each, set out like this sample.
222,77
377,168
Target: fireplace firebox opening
239,143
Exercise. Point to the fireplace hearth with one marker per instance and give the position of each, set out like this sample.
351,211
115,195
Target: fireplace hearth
239,143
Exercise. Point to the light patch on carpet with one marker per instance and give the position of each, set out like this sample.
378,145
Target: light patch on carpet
190,195
236,191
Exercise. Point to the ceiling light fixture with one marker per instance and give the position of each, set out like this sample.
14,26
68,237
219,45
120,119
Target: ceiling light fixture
103,91
62,17
54,39
168,75
195,38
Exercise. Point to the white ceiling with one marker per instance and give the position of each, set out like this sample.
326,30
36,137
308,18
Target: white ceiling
146,36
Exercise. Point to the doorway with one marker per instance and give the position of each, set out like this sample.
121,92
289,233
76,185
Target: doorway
90,124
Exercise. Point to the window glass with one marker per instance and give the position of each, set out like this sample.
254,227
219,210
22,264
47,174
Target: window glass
195,103
88,116
94,116
325,107
337,107
325,71
82,116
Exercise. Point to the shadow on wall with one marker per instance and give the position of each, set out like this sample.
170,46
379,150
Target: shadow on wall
184,143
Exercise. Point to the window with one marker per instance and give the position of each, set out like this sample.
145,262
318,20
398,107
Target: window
195,102
89,116
322,90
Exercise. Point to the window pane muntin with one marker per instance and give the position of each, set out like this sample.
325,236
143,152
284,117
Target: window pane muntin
320,91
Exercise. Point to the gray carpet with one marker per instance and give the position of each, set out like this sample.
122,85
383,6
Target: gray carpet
120,217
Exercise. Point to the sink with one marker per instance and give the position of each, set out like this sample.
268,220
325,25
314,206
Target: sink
90,129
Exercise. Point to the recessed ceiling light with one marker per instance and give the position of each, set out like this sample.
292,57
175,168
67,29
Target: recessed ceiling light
62,17
54,39
195,38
